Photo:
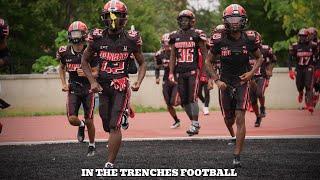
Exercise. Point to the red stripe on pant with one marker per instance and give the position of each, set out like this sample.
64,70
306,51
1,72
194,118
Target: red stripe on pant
124,105
195,95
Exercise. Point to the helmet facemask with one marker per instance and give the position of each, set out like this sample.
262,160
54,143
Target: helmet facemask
76,37
235,23
114,20
185,23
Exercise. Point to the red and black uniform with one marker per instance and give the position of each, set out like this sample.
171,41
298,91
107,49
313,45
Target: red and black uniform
79,86
234,59
169,89
260,78
305,54
186,44
203,85
114,53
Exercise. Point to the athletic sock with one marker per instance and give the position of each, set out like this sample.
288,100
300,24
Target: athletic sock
92,144
81,123
195,123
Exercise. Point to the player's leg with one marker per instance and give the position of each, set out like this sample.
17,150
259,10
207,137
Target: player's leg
167,94
88,107
300,84
253,90
174,100
261,88
227,110
206,99
119,103
241,103
73,104
193,86
182,89
309,81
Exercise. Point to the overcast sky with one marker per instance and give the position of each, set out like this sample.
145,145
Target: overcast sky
204,4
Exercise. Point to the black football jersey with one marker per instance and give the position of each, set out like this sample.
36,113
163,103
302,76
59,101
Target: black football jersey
234,54
114,52
162,58
186,44
305,53
72,61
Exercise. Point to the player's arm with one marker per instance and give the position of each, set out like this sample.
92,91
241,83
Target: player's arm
211,69
172,62
142,69
157,70
204,52
291,58
272,64
62,74
85,64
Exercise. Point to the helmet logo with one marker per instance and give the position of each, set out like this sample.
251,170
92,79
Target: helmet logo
113,17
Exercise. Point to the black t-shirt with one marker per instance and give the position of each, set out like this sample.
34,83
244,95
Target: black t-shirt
114,52
162,58
187,47
72,60
234,54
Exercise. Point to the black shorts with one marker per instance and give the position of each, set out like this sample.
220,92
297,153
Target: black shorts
305,78
233,98
170,93
112,104
74,102
257,89
188,85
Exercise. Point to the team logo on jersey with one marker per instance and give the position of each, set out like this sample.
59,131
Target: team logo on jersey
103,47
179,45
125,48
68,60
225,51
110,56
73,67
191,39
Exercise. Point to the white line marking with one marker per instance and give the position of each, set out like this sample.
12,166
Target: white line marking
167,139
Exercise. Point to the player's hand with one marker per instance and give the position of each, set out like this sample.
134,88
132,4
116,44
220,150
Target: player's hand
80,72
65,88
157,80
246,76
95,87
292,74
221,85
171,78
135,86
210,84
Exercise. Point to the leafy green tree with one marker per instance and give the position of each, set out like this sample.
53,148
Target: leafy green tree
42,63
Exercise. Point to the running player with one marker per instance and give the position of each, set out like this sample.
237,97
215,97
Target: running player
260,82
114,47
233,47
169,89
78,85
304,52
185,45
314,37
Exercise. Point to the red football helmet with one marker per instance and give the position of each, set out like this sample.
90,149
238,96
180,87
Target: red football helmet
77,32
219,29
303,35
114,14
165,40
313,33
4,29
188,14
235,17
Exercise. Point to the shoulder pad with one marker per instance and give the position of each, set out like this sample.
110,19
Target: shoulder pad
95,34
265,46
201,33
216,37
135,35
253,36
62,49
